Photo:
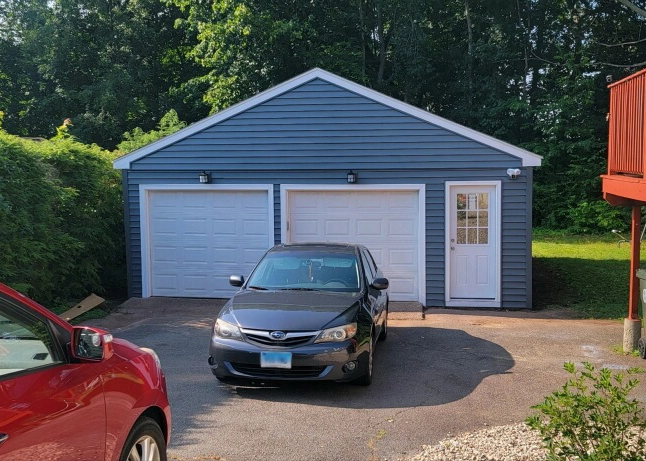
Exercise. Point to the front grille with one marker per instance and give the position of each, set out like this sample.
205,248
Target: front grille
292,339
289,342
294,372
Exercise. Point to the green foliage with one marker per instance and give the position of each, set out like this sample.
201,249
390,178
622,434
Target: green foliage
530,73
61,226
32,245
108,66
169,124
596,216
63,131
592,417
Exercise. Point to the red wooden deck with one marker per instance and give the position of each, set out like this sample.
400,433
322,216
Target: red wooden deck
625,182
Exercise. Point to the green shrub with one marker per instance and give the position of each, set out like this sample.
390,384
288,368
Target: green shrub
591,418
137,138
61,220
92,213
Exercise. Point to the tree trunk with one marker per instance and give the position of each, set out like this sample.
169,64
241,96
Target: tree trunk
467,14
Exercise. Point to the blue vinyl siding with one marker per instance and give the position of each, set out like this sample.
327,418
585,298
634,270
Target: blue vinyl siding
343,128
315,134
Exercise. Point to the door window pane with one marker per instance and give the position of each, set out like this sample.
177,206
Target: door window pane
483,235
462,235
483,219
462,218
462,201
472,225
483,201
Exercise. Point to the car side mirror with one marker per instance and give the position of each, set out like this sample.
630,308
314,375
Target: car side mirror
380,283
91,344
236,280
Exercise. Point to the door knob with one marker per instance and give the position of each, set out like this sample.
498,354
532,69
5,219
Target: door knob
3,437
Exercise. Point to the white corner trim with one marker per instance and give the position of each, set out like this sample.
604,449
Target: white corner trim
497,301
285,189
144,218
528,159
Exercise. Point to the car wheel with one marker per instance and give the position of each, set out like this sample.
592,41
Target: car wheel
145,442
384,328
642,348
366,379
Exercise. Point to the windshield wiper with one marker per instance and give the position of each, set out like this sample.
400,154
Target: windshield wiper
257,288
300,289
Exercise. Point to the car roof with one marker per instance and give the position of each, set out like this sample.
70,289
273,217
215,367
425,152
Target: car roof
321,246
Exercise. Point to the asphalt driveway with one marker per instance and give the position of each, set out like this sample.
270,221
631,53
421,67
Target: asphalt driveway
451,372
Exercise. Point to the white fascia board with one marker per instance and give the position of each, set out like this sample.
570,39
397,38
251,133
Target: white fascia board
528,159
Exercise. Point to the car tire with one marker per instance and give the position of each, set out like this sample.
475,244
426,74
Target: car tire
384,328
366,379
145,441
642,348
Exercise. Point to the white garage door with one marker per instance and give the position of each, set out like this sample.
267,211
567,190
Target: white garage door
197,239
385,221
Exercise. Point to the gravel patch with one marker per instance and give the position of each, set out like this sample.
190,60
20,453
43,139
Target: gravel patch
516,442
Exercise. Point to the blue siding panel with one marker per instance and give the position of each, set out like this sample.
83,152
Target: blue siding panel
315,134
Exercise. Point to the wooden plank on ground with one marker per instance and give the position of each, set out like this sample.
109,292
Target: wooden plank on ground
82,307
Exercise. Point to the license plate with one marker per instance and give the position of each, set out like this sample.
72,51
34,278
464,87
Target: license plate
276,360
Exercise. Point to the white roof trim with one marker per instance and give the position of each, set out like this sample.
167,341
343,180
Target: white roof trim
529,159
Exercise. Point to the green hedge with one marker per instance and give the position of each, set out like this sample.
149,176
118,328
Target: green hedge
61,220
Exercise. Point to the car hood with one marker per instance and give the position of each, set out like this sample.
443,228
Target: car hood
290,310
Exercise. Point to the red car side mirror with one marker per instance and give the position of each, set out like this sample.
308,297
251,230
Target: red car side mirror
91,344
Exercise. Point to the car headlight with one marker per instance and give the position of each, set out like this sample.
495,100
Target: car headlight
225,330
337,334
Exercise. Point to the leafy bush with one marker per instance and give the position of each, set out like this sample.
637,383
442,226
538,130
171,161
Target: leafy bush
61,226
591,418
92,213
597,216
137,138
33,246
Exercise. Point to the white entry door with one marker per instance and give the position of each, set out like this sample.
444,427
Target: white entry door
473,247
387,222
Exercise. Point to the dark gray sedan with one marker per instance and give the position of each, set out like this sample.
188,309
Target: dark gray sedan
308,312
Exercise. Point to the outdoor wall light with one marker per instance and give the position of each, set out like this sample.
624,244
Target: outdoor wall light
513,173
352,177
205,178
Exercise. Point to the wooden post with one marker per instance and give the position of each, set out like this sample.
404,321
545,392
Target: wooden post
633,298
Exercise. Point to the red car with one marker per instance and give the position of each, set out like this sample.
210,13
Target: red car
74,392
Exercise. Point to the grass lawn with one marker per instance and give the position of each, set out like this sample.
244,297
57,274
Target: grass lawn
585,274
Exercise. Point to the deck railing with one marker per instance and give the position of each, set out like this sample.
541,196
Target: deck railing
626,142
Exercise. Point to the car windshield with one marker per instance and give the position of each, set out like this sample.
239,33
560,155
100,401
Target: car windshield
306,270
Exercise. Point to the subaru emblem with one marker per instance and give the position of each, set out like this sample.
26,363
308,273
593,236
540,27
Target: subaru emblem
278,335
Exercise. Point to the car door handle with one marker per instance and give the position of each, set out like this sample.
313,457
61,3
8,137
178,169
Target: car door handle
3,437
